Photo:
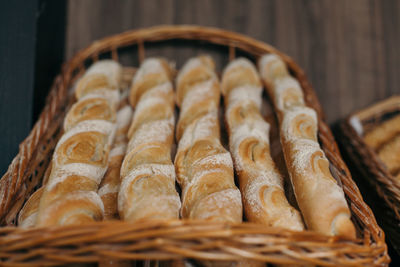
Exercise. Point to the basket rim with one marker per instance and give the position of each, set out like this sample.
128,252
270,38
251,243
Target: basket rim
58,94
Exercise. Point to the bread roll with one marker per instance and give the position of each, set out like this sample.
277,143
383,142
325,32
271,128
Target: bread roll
104,74
389,154
382,133
260,182
148,178
27,216
80,158
109,187
320,198
153,72
100,105
204,168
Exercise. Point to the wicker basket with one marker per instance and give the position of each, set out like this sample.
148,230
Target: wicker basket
178,238
372,169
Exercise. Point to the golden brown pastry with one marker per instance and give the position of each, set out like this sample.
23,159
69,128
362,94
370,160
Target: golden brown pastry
382,133
204,168
28,214
80,158
155,72
320,198
260,182
148,177
109,187
390,155
96,105
104,74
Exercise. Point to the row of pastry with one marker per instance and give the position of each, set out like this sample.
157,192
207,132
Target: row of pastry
114,162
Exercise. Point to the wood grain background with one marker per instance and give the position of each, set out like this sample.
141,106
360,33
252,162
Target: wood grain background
349,49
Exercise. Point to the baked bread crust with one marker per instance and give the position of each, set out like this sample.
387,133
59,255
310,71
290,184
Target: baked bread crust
109,187
320,198
80,158
261,184
147,188
204,168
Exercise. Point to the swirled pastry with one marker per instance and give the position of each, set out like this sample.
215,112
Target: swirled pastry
153,72
320,198
80,158
260,182
148,178
204,168
105,74
100,105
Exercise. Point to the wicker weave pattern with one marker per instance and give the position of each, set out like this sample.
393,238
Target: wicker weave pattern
172,239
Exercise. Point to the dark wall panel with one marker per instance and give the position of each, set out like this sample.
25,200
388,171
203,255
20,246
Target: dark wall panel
348,48
17,53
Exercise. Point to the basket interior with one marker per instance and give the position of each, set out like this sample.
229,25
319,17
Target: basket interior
183,50
131,53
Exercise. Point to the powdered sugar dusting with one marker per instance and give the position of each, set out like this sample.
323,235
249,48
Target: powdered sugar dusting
101,126
197,93
201,129
161,207
222,205
150,169
263,178
191,64
239,95
240,63
206,127
91,172
258,129
303,157
112,96
109,68
160,89
216,159
282,86
82,196
148,66
255,178
153,131
268,65
289,116
60,172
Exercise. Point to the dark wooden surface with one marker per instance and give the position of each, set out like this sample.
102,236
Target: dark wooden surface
349,49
